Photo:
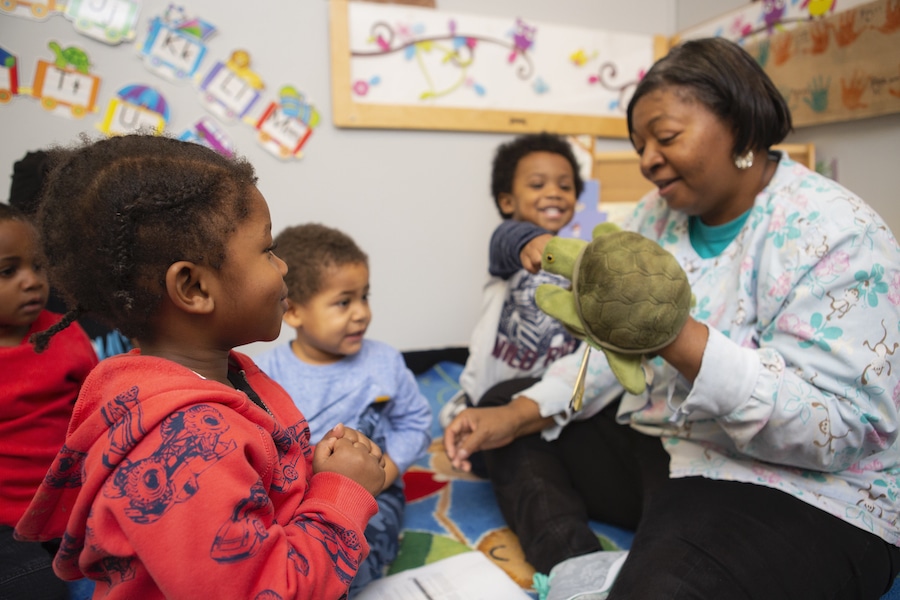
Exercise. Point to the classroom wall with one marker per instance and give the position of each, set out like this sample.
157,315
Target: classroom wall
417,201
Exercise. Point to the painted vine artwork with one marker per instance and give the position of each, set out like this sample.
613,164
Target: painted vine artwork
454,48
407,56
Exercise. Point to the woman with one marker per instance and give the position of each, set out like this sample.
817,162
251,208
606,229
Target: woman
763,461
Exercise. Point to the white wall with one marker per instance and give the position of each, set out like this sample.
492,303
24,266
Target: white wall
417,201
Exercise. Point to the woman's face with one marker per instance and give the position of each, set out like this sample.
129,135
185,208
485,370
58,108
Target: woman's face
686,151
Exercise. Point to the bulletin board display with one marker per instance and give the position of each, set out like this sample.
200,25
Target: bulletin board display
405,67
837,62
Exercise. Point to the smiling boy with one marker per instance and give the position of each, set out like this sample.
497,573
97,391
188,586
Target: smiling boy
535,183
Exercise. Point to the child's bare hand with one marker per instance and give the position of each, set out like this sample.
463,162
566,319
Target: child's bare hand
533,251
341,431
352,459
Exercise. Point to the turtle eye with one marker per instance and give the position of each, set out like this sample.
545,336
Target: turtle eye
550,258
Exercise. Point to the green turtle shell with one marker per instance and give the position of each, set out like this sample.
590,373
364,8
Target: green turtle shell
630,293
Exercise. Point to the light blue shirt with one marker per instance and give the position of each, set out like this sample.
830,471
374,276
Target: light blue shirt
342,391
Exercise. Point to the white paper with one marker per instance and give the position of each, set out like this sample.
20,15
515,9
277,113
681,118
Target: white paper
466,576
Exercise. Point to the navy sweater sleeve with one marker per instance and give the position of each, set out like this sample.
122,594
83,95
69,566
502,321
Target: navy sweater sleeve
507,242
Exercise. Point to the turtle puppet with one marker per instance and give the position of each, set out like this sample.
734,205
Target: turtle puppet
628,298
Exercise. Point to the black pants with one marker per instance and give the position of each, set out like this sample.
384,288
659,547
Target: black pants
25,570
695,537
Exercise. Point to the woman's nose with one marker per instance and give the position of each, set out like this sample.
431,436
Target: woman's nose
650,159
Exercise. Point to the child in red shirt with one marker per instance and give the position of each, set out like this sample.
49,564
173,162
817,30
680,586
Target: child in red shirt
186,471
39,392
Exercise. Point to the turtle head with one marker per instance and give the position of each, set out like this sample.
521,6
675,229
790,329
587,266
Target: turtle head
559,258
560,255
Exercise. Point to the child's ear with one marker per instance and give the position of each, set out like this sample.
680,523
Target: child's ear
292,315
507,203
187,287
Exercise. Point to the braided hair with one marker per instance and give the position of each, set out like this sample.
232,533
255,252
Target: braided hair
116,213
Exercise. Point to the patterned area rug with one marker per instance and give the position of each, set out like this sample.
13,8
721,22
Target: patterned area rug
449,512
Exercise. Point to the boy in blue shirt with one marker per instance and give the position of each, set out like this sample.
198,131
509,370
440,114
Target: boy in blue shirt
335,375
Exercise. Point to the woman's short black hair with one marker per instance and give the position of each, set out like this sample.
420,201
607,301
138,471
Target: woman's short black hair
727,80
509,154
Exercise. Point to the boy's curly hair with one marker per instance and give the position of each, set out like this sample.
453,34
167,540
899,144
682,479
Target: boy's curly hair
508,155
116,213
310,250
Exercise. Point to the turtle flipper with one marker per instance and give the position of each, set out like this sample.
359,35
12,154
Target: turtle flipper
627,369
604,228
559,304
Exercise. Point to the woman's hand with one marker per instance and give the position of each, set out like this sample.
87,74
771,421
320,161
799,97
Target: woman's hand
476,429
685,353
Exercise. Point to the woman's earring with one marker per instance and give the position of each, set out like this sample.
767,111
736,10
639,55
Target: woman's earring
745,161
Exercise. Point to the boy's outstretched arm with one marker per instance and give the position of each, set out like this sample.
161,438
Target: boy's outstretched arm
507,243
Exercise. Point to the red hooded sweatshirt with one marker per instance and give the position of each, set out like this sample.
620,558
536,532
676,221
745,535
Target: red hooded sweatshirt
174,486
37,395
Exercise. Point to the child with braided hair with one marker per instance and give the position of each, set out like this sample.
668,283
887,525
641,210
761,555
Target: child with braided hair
186,471
25,186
